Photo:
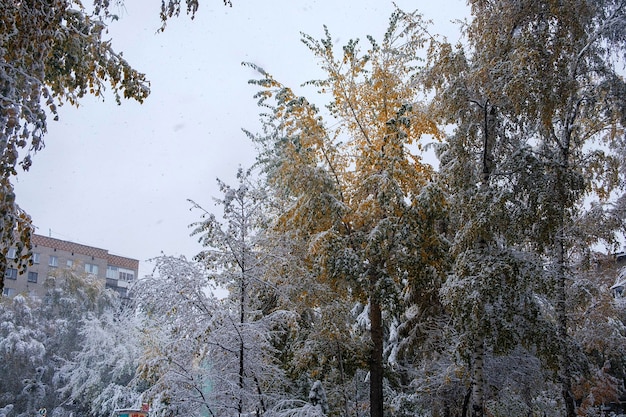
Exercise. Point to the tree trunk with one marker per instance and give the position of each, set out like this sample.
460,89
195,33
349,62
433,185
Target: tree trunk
478,379
564,376
242,320
376,357
564,372
343,381
466,401
241,378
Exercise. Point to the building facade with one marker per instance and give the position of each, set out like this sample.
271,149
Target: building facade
50,255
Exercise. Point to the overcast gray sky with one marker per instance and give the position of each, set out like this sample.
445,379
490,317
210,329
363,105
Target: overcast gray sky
118,177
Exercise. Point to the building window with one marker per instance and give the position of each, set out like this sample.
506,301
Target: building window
12,254
69,263
54,261
8,292
112,272
11,273
126,274
91,269
32,277
35,258
123,274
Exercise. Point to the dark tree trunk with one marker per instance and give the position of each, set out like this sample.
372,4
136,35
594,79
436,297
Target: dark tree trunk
466,402
478,380
565,377
376,358
242,320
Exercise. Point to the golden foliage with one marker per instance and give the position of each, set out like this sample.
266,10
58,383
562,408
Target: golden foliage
599,389
363,161
355,190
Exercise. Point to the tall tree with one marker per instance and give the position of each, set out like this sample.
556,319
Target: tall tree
490,291
234,257
358,195
565,85
213,356
549,68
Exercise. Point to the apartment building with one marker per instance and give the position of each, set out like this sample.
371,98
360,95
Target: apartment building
50,254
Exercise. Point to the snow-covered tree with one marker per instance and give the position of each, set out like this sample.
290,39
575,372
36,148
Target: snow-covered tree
235,259
564,86
490,292
598,326
46,335
358,197
178,310
22,348
322,342
99,377
34,391
208,355
547,71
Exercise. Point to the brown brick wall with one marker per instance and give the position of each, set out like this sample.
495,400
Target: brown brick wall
64,245
123,262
